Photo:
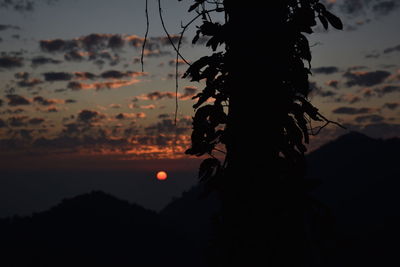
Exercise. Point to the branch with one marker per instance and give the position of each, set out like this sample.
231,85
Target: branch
145,36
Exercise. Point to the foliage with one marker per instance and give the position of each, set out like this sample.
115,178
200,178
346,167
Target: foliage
212,107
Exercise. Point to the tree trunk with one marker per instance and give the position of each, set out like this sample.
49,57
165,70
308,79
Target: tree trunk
259,228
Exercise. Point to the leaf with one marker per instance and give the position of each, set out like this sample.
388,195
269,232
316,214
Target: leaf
333,20
193,7
324,21
208,168
196,37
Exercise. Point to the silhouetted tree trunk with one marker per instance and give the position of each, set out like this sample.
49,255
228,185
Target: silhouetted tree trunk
257,195
262,77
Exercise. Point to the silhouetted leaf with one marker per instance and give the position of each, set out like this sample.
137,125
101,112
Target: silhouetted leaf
193,7
333,20
208,168
324,21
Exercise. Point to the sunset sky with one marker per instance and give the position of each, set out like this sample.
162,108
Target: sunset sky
74,97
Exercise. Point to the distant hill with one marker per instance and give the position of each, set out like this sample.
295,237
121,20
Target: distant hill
94,229
359,182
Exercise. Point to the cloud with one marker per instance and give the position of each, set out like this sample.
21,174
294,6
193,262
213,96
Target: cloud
36,121
101,85
325,70
188,92
391,106
4,27
122,116
157,95
41,60
151,106
47,102
352,111
332,83
9,62
21,75
383,8
17,100
70,101
75,55
369,118
85,76
364,78
349,98
18,5
88,116
29,82
17,121
57,76
51,109
392,49
386,89
114,74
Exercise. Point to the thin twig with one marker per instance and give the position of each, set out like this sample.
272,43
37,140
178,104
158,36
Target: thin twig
145,36
168,35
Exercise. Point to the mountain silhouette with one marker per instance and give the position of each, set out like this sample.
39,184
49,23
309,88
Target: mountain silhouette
358,180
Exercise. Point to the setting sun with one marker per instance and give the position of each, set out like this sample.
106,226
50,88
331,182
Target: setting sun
162,175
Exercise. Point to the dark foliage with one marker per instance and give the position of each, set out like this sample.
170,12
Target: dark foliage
265,211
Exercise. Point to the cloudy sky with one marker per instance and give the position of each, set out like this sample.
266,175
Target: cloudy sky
73,94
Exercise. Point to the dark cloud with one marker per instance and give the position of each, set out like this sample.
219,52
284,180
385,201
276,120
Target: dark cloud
348,98
85,75
392,49
58,45
57,76
357,67
41,60
325,70
386,89
116,42
122,116
74,55
88,116
351,110
369,118
11,62
364,78
36,121
18,5
51,110
46,102
391,106
373,54
17,121
157,96
21,75
17,100
333,83
4,27
383,8
188,92
70,101
114,74
29,82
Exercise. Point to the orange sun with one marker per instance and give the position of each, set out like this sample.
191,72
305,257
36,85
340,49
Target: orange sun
162,175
